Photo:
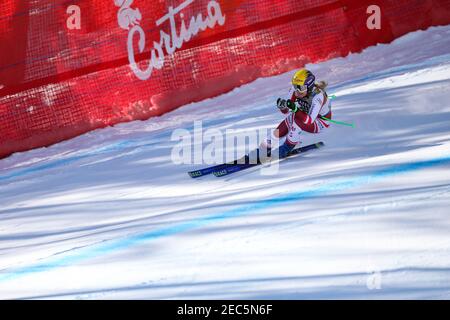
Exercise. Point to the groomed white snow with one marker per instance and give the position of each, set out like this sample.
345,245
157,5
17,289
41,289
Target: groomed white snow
107,215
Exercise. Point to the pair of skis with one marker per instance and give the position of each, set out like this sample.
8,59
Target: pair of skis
232,167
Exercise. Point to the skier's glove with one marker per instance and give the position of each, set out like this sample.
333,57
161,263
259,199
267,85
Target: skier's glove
284,105
290,105
281,104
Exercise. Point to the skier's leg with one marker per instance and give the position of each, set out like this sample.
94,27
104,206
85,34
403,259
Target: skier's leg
284,150
293,137
280,132
292,128
263,153
304,122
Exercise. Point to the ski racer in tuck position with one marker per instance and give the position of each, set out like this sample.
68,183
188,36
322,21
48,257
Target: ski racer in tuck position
307,110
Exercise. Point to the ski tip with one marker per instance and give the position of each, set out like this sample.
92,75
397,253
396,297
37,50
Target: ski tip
320,144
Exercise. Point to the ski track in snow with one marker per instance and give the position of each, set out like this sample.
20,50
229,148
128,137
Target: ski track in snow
106,215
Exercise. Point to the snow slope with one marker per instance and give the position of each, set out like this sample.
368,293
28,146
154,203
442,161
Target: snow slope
107,215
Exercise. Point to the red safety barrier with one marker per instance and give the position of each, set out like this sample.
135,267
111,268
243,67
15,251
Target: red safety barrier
135,59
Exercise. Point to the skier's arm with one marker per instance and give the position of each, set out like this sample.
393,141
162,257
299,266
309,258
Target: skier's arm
284,105
308,117
316,105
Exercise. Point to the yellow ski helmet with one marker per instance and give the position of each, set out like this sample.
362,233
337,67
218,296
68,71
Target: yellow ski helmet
303,80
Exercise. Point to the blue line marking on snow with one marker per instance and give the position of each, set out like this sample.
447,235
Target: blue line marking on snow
119,146
78,255
50,165
136,144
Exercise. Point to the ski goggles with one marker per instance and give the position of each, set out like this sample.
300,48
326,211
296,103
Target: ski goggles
301,89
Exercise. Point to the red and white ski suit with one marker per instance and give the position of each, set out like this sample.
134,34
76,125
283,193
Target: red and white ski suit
311,122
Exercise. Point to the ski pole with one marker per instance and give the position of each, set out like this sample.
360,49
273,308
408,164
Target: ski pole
338,122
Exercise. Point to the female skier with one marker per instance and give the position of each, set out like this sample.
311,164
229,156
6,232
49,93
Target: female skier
306,110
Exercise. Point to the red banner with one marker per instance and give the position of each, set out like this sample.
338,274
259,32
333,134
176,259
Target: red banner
67,67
